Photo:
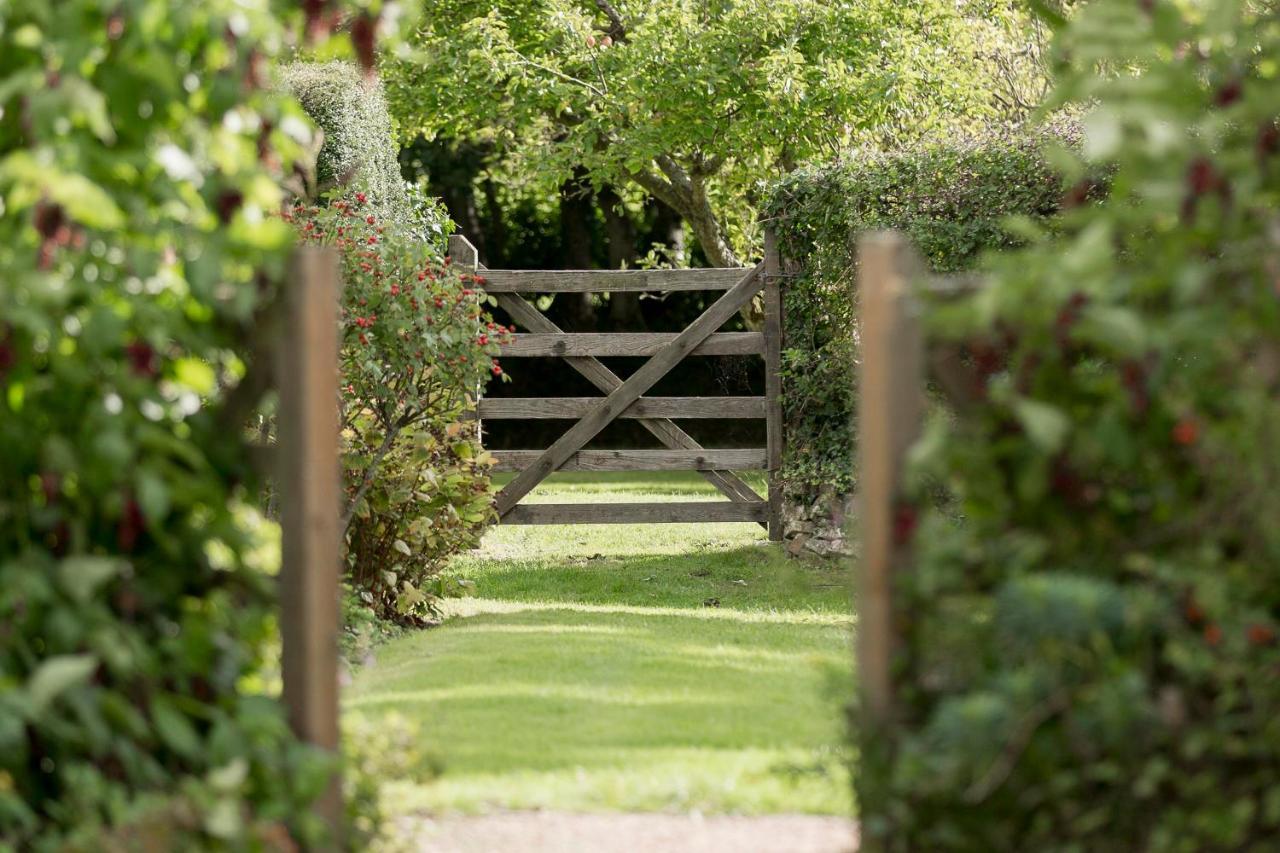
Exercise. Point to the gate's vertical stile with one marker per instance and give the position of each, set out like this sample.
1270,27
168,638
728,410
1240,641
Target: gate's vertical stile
890,408
310,486
464,254
773,376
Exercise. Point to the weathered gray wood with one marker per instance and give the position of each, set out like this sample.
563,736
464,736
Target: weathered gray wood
641,460
310,488
773,376
606,380
462,252
626,344
638,513
606,281
602,413
890,408
544,408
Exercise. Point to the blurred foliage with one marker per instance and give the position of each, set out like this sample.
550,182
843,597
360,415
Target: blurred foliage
954,199
1090,660
142,149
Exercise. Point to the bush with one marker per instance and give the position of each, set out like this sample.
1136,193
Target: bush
416,348
1090,660
134,249
953,200
358,150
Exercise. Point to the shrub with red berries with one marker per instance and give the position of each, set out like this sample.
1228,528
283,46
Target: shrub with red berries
1088,656
417,347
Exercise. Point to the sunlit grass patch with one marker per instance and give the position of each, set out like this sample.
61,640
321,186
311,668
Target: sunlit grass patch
628,667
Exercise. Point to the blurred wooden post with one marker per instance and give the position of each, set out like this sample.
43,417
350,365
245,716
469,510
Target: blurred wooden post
310,489
890,408
773,376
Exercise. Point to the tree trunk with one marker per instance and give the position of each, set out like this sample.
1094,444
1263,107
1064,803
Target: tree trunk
496,227
575,239
624,308
668,230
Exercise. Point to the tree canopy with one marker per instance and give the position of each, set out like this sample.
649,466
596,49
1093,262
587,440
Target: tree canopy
693,102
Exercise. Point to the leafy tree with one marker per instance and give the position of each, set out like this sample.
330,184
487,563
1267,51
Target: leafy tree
692,102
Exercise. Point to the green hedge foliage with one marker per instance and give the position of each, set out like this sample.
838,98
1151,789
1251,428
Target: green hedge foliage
359,152
141,155
1089,656
952,199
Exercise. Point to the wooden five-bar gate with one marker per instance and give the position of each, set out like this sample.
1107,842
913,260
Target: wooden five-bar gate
625,399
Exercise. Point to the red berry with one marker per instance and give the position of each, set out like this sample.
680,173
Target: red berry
1260,635
142,358
1186,432
1212,634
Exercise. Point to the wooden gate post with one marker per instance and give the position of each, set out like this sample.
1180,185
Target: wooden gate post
890,408
773,376
310,485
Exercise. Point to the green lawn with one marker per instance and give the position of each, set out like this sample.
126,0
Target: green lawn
592,672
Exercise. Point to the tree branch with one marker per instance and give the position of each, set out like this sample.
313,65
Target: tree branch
617,30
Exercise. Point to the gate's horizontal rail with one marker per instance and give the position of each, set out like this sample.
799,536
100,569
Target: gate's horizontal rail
642,460
627,344
606,281
543,408
646,513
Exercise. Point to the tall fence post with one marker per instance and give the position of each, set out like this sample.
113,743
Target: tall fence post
463,253
310,485
890,409
773,376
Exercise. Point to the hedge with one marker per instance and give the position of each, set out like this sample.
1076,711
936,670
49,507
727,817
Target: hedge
952,199
359,151
1089,654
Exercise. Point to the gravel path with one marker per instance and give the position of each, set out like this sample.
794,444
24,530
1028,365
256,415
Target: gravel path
559,832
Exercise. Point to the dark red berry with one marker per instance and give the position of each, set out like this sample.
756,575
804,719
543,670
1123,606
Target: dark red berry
142,358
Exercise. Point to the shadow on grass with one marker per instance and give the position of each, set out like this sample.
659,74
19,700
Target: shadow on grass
603,706
747,578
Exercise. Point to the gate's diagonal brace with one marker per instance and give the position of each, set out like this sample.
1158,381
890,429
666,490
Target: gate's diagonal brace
595,372
603,412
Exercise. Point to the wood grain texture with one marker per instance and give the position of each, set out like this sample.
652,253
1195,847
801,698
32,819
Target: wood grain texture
638,513
606,380
544,408
641,460
890,408
602,413
626,344
609,281
308,475
773,377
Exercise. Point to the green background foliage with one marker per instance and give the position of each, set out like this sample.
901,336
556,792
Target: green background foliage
1090,657
954,200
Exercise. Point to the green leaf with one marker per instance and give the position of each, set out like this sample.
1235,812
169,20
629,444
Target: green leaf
1047,426
82,576
56,675
175,730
